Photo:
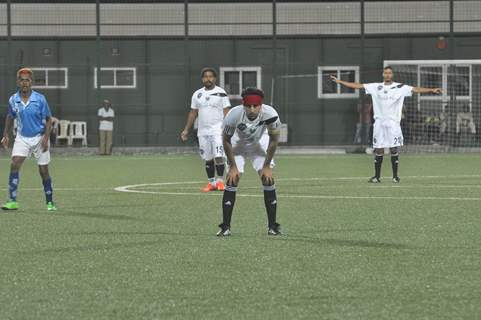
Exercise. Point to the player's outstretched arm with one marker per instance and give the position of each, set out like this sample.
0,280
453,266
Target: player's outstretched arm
184,135
427,90
6,130
352,85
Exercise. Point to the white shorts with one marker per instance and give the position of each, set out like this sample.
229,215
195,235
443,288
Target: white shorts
387,134
211,147
256,153
25,147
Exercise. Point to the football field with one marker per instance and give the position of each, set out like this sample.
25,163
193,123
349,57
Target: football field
134,238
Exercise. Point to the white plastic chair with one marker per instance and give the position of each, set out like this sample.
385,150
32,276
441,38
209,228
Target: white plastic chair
78,130
63,131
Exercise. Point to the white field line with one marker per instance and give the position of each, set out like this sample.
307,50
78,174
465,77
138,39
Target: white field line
129,188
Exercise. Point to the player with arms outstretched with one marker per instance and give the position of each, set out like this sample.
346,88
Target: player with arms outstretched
210,104
249,122
387,98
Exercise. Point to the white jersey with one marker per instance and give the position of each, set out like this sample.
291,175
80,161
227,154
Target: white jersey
250,132
104,124
388,100
211,105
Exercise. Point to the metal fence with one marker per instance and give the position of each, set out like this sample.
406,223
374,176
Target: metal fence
146,55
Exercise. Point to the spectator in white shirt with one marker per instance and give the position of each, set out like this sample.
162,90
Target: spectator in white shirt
106,127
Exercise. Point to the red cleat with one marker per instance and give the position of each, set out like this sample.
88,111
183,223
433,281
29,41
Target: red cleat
220,185
209,187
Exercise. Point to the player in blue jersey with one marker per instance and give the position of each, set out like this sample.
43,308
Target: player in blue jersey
34,124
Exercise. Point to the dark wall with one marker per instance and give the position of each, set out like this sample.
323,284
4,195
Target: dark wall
168,73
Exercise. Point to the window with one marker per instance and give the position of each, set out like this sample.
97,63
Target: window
454,79
329,89
459,81
431,77
234,79
116,78
50,78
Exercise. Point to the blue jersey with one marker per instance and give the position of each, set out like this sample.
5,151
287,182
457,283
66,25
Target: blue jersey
30,116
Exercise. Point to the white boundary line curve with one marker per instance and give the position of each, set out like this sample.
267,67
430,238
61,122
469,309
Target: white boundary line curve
128,189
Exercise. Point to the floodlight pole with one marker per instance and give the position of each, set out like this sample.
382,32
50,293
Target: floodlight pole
8,66
451,30
98,49
362,46
274,49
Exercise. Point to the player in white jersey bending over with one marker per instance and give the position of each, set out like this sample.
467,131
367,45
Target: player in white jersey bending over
249,121
210,104
387,99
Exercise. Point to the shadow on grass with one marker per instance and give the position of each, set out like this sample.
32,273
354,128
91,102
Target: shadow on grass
127,245
72,213
110,246
351,243
94,247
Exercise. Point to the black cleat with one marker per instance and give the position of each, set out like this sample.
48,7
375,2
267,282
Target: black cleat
274,230
224,230
396,180
374,180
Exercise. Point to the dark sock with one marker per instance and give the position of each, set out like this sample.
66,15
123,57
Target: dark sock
210,170
395,165
270,200
47,188
220,170
377,166
13,181
228,201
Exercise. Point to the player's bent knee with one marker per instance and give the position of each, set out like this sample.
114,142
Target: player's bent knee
267,182
16,163
232,186
219,161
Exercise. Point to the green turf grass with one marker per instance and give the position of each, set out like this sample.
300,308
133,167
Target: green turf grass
351,250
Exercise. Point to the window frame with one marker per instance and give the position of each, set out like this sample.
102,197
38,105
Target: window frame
115,86
223,70
444,97
47,69
338,94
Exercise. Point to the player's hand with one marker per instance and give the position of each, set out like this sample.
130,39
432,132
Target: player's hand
184,135
266,176
5,141
45,143
233,176
333,78
437,90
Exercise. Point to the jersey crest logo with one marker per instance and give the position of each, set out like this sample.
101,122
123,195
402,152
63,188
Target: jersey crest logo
199,95
379,88
241,126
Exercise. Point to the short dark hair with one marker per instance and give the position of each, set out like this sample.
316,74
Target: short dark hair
252,91
208,69
388,67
